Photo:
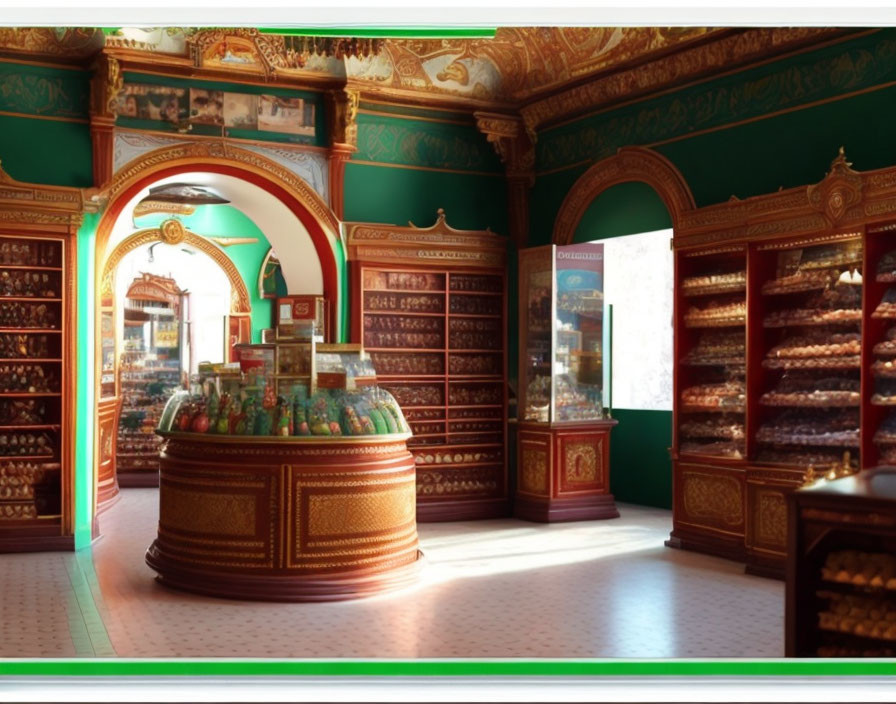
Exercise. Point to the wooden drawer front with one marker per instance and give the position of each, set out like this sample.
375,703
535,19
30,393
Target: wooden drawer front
534,464
710,498
767,491
582,460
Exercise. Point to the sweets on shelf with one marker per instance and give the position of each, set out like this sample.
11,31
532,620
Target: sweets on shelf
884,392
819,344
835,305
861,569
843,254
722,448
716,313
810,391
861,615
718,347
795,426
723,428
887,306
731,282
801,281
729,397
886,267
886,432
884,368
849,362
802,457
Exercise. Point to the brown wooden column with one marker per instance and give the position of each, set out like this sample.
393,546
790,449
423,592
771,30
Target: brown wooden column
105,85
342,114
516,148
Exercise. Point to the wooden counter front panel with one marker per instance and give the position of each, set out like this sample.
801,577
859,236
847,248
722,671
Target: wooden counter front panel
708,509
107,492
221,519
582,461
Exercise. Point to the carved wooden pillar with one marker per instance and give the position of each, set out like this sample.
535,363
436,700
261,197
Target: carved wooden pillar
516,148
342,114
105,85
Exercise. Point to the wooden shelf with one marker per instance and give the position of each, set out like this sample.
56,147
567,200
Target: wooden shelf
36,426
402,312
31,299
25,394
31,331
26,267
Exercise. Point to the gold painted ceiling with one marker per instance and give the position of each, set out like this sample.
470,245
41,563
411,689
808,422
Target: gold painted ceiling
543,73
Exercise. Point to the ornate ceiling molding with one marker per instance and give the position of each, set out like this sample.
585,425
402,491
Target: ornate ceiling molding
51,42
106,84
678,67
628,164
39,204
513,144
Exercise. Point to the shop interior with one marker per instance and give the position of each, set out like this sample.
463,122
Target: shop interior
352,347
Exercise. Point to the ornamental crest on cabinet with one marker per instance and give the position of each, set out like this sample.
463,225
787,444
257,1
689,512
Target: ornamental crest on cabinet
838,192
581,463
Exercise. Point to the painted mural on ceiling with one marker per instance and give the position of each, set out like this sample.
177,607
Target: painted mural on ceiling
516,63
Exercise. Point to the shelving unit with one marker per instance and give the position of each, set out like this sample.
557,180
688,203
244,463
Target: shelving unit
34,398
150,371
436,335
793,373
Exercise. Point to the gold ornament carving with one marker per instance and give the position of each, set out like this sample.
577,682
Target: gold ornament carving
513,144
172,232
582,463
367,512
714,498
342,116
108,80
207,512
771,518
841,189
148,207
221,150
73,41
534,477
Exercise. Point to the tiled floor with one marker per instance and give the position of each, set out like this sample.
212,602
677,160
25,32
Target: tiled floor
501,588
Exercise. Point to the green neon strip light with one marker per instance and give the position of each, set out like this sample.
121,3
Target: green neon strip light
373,32
433,668
84,416
385,32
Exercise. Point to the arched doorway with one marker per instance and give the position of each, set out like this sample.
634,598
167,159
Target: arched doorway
631,202
296,221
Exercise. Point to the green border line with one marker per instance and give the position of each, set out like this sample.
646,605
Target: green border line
452,668
369,32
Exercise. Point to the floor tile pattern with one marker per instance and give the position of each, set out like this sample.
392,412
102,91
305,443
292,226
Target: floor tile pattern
499,588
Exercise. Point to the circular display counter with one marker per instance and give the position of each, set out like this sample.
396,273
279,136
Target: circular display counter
286,519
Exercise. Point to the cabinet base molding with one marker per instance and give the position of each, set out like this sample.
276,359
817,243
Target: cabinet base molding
586,508
732,549
138,480
35,543
759,569
270,587
472,510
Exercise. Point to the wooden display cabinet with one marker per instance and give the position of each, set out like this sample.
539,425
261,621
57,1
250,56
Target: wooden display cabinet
841,568
563,436
37,365
781,351
429,305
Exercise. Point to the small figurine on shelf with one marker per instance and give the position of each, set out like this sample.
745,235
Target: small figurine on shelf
222,425
284,417
200,422
263,421
299,418
212,404
246,425
236,417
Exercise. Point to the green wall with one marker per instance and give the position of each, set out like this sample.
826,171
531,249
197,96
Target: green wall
227,221
44,135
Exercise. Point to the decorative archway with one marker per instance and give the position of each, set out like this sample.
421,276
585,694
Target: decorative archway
173,232
628,164
209,156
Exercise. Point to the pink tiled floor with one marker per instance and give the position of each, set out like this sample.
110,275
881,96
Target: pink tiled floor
502,588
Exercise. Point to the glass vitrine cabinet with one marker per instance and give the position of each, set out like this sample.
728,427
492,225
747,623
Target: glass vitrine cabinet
563,453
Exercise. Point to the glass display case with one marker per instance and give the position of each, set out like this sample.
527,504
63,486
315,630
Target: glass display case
563,439
561,326
338,396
